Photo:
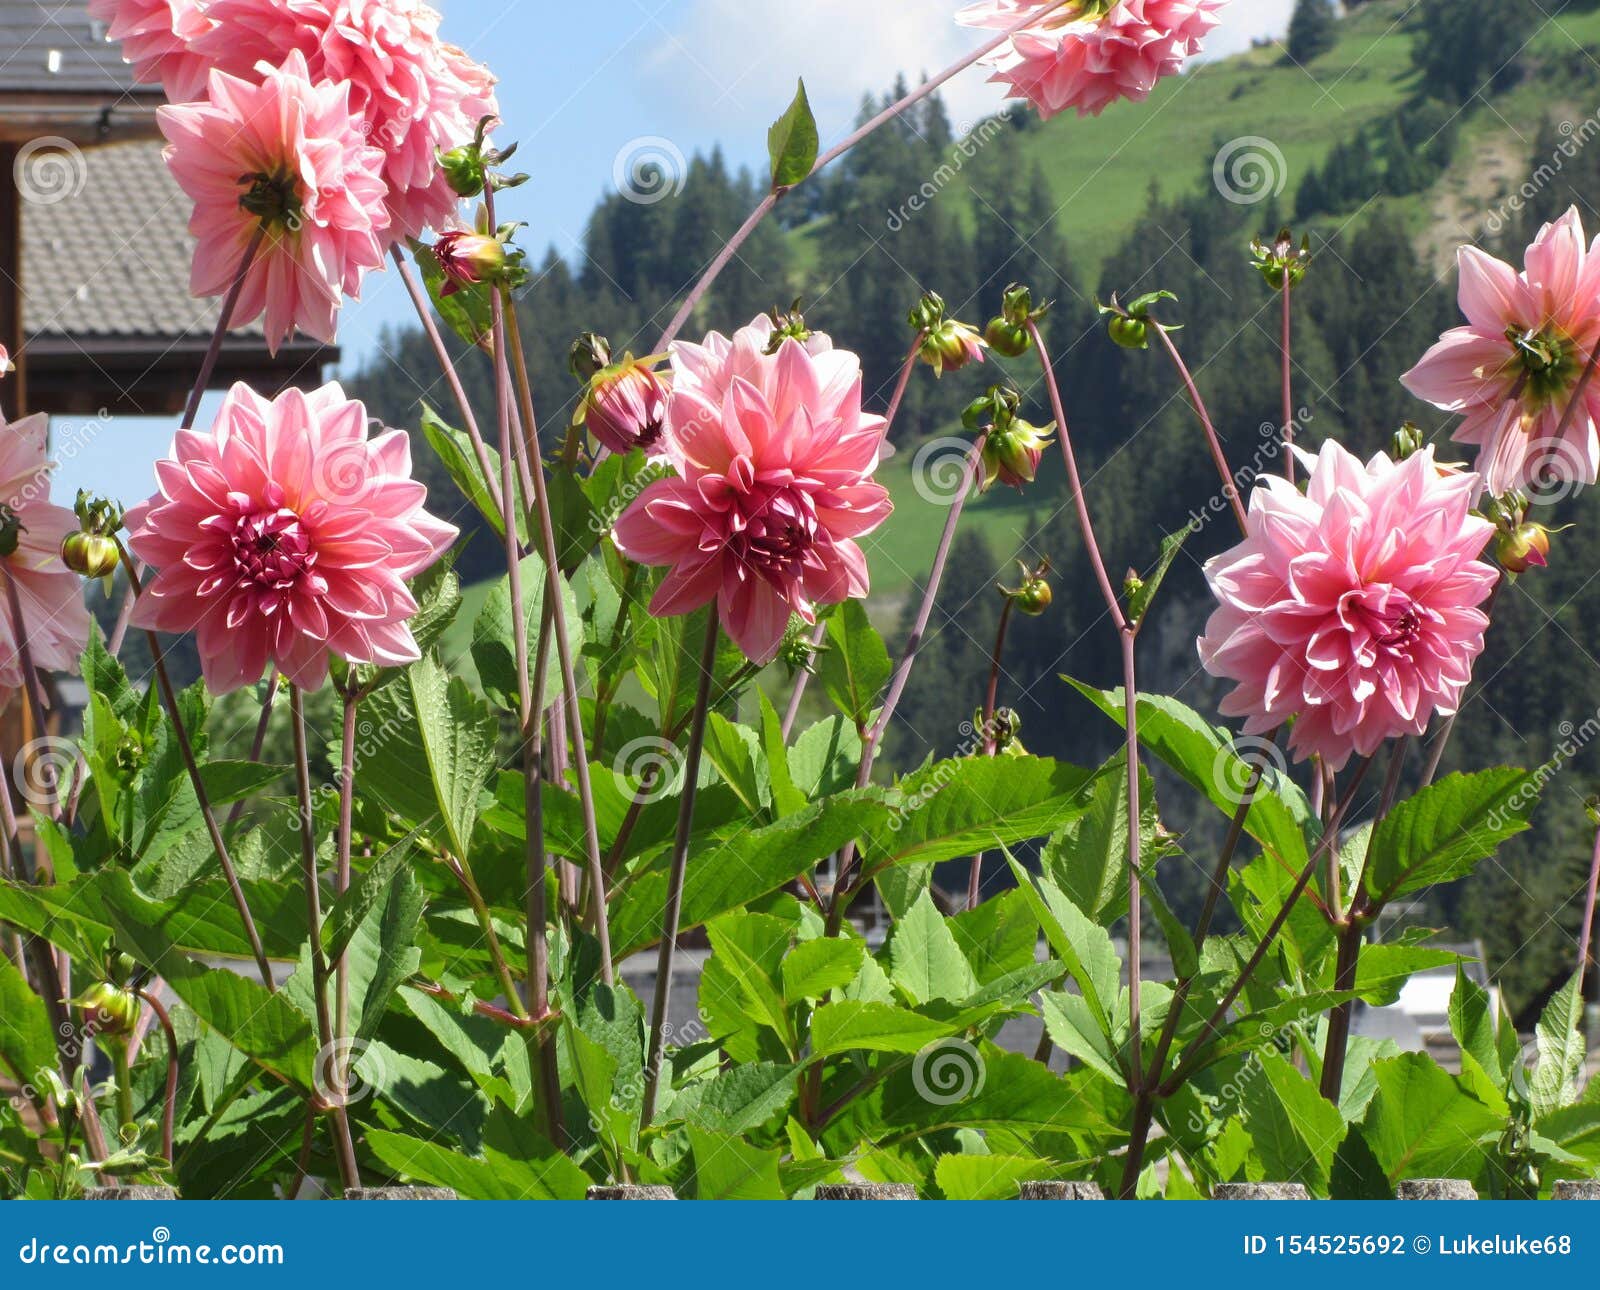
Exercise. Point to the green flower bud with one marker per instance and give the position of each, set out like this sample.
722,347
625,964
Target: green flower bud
790,325
1007,339
1407,441
464,169
129,757
1130,333
1033,596
928,312
589,355
108,1010
92,555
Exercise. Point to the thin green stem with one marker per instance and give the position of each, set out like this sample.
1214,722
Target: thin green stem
680,863
328,1059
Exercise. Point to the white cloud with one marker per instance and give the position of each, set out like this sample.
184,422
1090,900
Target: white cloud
731,61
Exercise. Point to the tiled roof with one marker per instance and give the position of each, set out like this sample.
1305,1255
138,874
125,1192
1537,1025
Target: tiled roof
54,47
110,257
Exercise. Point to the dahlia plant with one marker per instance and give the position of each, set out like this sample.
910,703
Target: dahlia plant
405,948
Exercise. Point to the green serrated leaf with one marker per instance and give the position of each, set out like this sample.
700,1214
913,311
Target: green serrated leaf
1279,818
1558,1037
960,807
1443,832
813,968
494,650
855,665
1139,602
925,961
792,142
455,451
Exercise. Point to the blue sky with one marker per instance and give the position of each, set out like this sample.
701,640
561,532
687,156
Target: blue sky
585,84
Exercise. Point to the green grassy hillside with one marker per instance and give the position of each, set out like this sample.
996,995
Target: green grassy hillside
1101,171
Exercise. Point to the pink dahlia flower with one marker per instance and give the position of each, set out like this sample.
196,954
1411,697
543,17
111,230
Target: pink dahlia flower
1090,54
1351,607
51,595
157,37
416,95
284,535
774,458
1514,368
284,155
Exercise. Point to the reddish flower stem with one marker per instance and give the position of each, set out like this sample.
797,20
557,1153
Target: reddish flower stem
1352,934
1127,633
341,879
820,632
873,738
558,622
538,899
673,913
1230,489
1219,1014
169,1105
230,302
32,685
45,971
169,700
1586,933
447,366
991,696
258,742
1288,385
208,365
890,113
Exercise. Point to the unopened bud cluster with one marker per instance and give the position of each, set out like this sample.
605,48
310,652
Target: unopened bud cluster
1519,544
1009,334
1012,447
947,344
1279,261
